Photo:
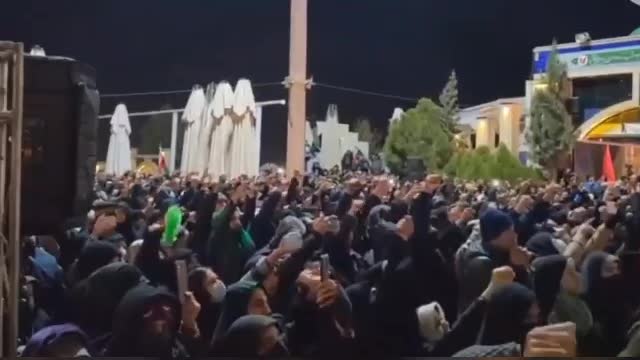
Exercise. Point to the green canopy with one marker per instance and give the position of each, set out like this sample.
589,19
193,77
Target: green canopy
636,31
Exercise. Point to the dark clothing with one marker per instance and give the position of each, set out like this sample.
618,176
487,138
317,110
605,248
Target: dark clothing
128,332
474,265
263,226
102,292
547,275
244,336
464,332
40,341
235,306
506,318
94,255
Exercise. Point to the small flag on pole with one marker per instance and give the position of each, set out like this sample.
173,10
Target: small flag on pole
608,168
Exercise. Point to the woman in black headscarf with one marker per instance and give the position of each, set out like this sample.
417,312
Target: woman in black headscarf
605,295
100,295
242,298
512,312
253,336
547,277
210,292
94,256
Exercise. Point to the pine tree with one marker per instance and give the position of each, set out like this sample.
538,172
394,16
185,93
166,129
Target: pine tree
449,102
418,133
550,134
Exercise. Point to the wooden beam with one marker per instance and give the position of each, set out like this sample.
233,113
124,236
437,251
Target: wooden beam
15,186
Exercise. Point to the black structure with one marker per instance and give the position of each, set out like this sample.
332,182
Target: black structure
61,106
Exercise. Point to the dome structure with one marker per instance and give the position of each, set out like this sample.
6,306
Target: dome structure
636,32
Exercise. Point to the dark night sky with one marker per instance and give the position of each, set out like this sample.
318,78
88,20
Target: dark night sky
401,47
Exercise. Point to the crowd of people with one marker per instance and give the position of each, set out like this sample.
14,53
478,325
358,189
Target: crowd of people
436,267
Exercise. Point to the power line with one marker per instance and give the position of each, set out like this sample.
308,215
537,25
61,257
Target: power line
147,93
323,85
172,92
365,92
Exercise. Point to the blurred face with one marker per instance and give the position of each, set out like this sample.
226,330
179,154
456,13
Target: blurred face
506,241
221,204
455,214
210,279
122,256
158,324
236,223
533,317
269,341
258,303
611,267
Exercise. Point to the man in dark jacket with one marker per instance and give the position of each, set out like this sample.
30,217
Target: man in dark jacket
493,243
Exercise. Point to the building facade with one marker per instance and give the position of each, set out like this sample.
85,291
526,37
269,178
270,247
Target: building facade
604,88
494,123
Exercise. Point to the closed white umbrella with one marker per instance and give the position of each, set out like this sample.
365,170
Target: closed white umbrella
206,132
243,153
119,152
192,117
219,157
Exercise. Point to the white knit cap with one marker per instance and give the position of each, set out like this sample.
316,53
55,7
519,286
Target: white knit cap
431,318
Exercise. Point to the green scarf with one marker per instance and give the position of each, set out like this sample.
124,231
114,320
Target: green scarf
246,242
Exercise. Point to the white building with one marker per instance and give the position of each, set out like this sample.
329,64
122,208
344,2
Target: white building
334,139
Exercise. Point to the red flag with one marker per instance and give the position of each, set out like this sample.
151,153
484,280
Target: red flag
608,170
162,161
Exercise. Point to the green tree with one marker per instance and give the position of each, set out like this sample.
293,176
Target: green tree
368,134
482,164
419,133
551,132
450,106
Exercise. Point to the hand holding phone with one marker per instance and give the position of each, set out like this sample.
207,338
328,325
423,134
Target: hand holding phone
182,279
324,267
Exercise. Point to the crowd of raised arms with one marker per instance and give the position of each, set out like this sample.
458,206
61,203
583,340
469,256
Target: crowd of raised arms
348,265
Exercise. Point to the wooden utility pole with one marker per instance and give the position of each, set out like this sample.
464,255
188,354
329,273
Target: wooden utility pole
297,83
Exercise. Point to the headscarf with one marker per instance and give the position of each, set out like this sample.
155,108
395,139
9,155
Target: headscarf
541,244
40,341
104,290
235,305
94,255
244,336
209,311
506,315
128,319
608,303
547,276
